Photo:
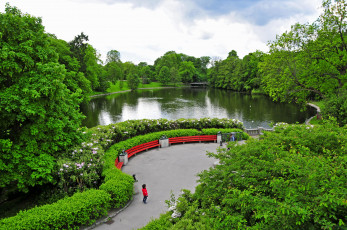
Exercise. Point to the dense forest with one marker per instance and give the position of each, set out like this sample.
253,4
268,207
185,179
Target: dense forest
44,80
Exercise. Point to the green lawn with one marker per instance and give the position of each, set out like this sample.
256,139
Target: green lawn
117,88
317,103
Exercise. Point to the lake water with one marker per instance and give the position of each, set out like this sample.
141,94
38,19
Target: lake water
174,103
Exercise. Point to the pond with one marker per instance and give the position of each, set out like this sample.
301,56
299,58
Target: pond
174,103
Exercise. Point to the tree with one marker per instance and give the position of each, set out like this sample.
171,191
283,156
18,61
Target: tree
39,115
78,48
146,74
164,75
187,71
169,59
113,56
309,61
174,76
251,72
93,69
133,81
113,72
74,80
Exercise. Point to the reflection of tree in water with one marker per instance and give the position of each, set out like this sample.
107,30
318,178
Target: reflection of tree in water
257,107
184,101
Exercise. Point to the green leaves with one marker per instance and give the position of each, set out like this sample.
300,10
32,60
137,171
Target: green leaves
38,114
309,61
69,213
294,178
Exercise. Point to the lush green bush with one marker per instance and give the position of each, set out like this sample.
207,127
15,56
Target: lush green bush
119,185
294,178
68,213
214,131
121,191
336,106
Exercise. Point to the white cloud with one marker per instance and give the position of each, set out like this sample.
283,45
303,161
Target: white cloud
146,32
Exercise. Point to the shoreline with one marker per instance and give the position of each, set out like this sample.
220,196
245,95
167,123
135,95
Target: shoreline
129,90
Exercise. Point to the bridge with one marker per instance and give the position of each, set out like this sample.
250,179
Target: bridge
199,84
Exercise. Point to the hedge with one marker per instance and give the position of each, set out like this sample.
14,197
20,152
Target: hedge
69,213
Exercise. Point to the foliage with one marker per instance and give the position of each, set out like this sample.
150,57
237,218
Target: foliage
119,185
164,75
309,61
92,70
236,74
74,80
294,178
113,56
174,76
133,81
336,106
39,115
78,48
113,71
214,131
189,68
187,71
69,213
83,165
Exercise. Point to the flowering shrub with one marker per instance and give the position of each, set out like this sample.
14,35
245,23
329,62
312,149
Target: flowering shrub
81,167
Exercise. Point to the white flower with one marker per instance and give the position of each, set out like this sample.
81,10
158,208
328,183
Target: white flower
176,214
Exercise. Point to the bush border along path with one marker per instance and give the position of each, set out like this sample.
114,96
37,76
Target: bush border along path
85,207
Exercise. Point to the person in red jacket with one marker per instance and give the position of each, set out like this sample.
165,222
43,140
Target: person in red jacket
145,193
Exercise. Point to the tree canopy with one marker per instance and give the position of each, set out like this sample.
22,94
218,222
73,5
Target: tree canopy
39,115
310,60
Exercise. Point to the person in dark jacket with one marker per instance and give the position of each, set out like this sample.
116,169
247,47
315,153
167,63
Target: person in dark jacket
145,193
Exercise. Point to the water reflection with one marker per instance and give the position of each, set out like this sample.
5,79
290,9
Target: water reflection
252,110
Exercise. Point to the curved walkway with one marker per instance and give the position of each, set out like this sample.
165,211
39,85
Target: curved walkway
307,122
162,170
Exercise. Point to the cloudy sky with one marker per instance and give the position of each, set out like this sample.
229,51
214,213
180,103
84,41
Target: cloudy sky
143,30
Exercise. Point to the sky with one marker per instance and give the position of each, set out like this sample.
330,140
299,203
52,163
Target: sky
144,30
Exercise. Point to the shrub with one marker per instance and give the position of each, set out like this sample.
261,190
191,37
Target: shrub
294,178
214,131
121,191
68,213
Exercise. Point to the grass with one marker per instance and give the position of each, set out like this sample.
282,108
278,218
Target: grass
318,103
116,87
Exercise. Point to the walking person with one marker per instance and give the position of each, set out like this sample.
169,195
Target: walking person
145,193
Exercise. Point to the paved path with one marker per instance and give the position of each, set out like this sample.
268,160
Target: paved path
163,170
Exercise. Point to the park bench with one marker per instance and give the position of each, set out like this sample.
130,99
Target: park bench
139,148
174,140
118,164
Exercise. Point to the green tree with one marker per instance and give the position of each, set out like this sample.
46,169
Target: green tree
169,59
78,47
164,75
187,71
74,79
113,56
39,115
113,72
174,76
310,60
146,74
133,81
93,69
